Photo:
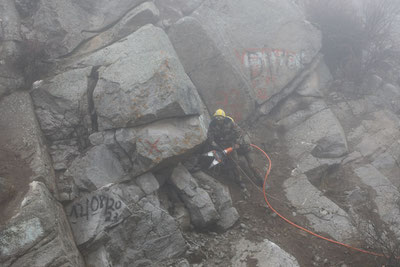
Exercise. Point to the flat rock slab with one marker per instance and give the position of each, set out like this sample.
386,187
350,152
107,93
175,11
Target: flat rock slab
263,254
386,197
95,169
313,135
323,214
34,238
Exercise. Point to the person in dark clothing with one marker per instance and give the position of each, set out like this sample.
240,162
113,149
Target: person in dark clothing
223,133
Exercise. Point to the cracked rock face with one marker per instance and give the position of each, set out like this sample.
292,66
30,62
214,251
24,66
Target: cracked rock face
147,146
122,226
153,85
62,104
48,22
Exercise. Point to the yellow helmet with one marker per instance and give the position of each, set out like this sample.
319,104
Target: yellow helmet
219,112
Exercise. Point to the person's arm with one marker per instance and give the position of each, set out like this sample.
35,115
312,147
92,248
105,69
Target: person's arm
211,135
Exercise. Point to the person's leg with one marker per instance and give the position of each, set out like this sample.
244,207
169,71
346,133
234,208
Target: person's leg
234,161
253,168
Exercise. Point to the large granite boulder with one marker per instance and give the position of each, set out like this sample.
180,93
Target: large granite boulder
152,85
39,235
118,225
94,213
221,198
61,26
197,200
149,145
62,104
252,50
95,169
146,13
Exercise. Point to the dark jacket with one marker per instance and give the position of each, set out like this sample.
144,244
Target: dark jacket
225,134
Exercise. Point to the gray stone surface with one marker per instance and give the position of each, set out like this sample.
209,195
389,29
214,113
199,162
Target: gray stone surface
330,147
323,214
317,83
295,110
153,85
146,13
264,253
391,94
93,213
221,198
173,10
39,235
201,208
386,196
6,190
148,235
62,104
49,24
20,133
148,183
10,21
218,82
253,47
63,153
11,78
149,145
302,139
95,169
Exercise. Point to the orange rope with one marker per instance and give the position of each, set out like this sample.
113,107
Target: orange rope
298,226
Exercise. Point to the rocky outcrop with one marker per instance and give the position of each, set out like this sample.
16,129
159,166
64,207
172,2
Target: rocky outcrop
386,196
243,58
153,85
97,168
48,23
119,224
39,235
201,208
147,146
62,105
323,214
221,198
146,13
